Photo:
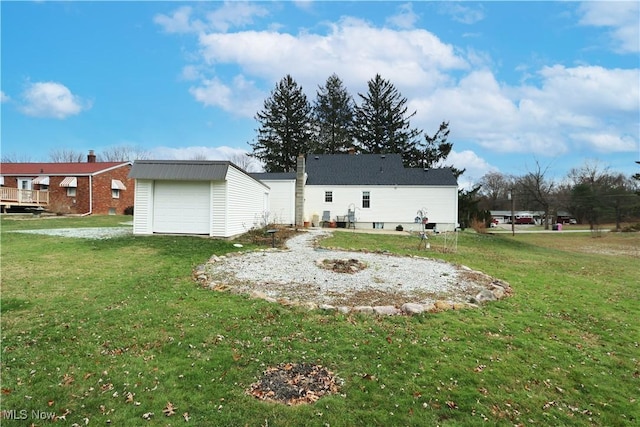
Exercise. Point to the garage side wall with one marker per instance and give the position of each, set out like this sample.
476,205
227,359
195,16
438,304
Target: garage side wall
143,211
219,210
282,199
247,202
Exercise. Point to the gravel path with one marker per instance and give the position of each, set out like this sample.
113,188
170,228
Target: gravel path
387,280
83,233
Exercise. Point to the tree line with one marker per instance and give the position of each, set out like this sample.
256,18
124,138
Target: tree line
591,193
379,123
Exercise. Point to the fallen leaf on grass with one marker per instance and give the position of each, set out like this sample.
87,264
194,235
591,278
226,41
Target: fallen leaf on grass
147,415
186,416
169,409
129,397
67,379
451,404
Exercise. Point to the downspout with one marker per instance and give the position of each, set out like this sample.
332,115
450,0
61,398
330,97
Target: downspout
90,197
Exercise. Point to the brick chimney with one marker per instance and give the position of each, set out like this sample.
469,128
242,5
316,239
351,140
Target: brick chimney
91,158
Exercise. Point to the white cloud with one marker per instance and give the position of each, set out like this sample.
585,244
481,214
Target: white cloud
231,14
196,152
179,21
606,142
463,14
622,19
51,99
352,48
4,97
476,167
234,14
241,97
406,18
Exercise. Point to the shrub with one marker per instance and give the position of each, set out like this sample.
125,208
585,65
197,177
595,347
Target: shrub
59,208
399,228
478,225
128,210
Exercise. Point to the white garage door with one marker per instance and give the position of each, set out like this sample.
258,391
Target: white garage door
181,207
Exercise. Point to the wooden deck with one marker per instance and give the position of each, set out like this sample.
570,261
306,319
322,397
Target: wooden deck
10,197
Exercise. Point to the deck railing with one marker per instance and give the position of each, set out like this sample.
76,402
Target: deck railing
19,197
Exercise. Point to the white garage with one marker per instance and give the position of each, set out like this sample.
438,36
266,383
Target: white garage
214,198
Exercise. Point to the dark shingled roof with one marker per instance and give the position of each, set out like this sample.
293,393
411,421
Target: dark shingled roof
273,176
371,169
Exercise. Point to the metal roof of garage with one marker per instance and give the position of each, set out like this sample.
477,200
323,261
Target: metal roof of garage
182,170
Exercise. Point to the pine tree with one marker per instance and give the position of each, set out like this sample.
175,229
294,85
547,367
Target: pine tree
382,124
285,127
435,150
333,117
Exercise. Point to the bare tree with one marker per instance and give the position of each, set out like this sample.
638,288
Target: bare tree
66,155
15,158
598,194
495,187
539,189
245,161
123,153
198,156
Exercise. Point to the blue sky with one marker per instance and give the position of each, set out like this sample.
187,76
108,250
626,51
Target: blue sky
553,83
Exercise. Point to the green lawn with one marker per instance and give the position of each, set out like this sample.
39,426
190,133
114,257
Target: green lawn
107,331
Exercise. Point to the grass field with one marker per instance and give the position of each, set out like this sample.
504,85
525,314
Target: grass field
110,331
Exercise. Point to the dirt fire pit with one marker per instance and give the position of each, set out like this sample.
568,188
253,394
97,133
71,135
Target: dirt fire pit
294,384
346,265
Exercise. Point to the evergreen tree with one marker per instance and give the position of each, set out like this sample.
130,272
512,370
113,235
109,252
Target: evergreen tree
333,117
435,150
382,124
285,127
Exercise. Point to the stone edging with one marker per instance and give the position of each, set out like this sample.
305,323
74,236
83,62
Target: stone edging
495,290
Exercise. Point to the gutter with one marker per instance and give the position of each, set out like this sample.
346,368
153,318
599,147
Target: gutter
90,197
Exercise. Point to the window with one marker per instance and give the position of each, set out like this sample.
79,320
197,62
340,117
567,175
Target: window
366,199
71,191
328,196
115,193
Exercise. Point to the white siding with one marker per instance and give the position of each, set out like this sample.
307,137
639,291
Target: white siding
282,201
391,205
245,202
219,211
143,211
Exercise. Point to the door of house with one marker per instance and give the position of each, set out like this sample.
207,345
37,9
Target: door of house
24,183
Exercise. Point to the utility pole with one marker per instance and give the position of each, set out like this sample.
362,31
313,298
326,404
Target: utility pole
513,219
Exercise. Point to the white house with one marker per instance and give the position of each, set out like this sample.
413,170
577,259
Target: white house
367,191
380,191
214,198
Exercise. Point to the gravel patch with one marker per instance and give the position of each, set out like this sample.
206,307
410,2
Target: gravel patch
83,233
296,274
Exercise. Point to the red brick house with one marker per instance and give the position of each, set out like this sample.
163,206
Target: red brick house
101,188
